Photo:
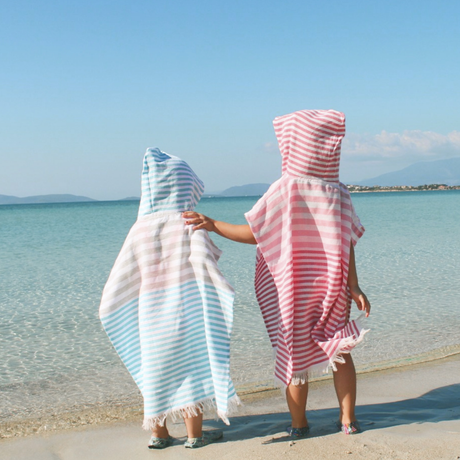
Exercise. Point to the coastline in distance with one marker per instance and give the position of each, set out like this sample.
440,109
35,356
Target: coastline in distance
425,175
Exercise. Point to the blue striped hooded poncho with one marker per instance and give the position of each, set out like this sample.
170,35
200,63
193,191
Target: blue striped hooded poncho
166,306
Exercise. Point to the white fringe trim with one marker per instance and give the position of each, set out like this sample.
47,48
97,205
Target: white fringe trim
192,410
322,369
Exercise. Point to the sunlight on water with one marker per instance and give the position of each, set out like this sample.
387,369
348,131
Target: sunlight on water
55,259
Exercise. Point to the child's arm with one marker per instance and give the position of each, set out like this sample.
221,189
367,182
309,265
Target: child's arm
239,233
356,294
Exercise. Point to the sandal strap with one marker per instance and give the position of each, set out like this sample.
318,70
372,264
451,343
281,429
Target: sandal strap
160,443
349,428
298,432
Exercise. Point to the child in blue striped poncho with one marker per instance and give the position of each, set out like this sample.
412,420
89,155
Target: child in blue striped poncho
167,308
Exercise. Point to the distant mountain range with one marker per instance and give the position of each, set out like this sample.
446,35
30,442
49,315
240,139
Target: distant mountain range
65,198
426,172
246,190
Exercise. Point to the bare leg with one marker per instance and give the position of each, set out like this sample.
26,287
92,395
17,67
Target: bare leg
345,387
296,396
160,431
194,426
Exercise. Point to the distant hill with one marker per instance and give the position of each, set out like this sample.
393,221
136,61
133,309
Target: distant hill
66,198
246,190
426,172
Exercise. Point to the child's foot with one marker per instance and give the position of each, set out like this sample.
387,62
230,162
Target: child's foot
160,443
206,438
298,432
349,428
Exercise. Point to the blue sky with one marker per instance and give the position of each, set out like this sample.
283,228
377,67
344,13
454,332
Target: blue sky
87,86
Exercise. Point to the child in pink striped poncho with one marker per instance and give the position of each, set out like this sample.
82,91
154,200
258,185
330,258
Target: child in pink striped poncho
305,228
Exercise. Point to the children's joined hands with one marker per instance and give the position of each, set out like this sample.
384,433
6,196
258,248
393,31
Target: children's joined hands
198,221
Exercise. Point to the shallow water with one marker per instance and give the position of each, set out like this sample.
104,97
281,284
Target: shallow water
55,259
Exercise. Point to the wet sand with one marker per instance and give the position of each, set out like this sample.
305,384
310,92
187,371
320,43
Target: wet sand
411,412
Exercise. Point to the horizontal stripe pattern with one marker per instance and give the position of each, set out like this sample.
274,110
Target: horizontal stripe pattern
310,141
303,226
168,184
168,312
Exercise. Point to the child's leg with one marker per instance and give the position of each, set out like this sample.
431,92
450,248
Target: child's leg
195,434
160,431
296,396
194,426
345,387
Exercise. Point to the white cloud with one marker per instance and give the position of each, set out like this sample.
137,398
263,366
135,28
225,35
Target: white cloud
271,147
409,145
365,155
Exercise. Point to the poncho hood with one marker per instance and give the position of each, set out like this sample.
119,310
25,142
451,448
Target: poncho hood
310,142
168,184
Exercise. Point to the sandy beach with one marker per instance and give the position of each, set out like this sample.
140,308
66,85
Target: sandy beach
411,412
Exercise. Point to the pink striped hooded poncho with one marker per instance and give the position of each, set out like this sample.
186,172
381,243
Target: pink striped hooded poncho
303,226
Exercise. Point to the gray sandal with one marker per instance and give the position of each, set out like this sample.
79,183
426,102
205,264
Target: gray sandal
160,443
206,438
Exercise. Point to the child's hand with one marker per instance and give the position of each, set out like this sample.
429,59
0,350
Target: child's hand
361,300
198,221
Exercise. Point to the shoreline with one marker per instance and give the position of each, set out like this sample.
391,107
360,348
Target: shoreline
404,190
409,412
361,189
396,363
130,410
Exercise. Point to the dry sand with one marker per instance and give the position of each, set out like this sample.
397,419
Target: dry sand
406,413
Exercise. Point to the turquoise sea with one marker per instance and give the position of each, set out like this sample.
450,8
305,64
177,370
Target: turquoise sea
55,259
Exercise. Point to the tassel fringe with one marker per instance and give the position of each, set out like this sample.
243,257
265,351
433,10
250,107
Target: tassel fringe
322,369
192,410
